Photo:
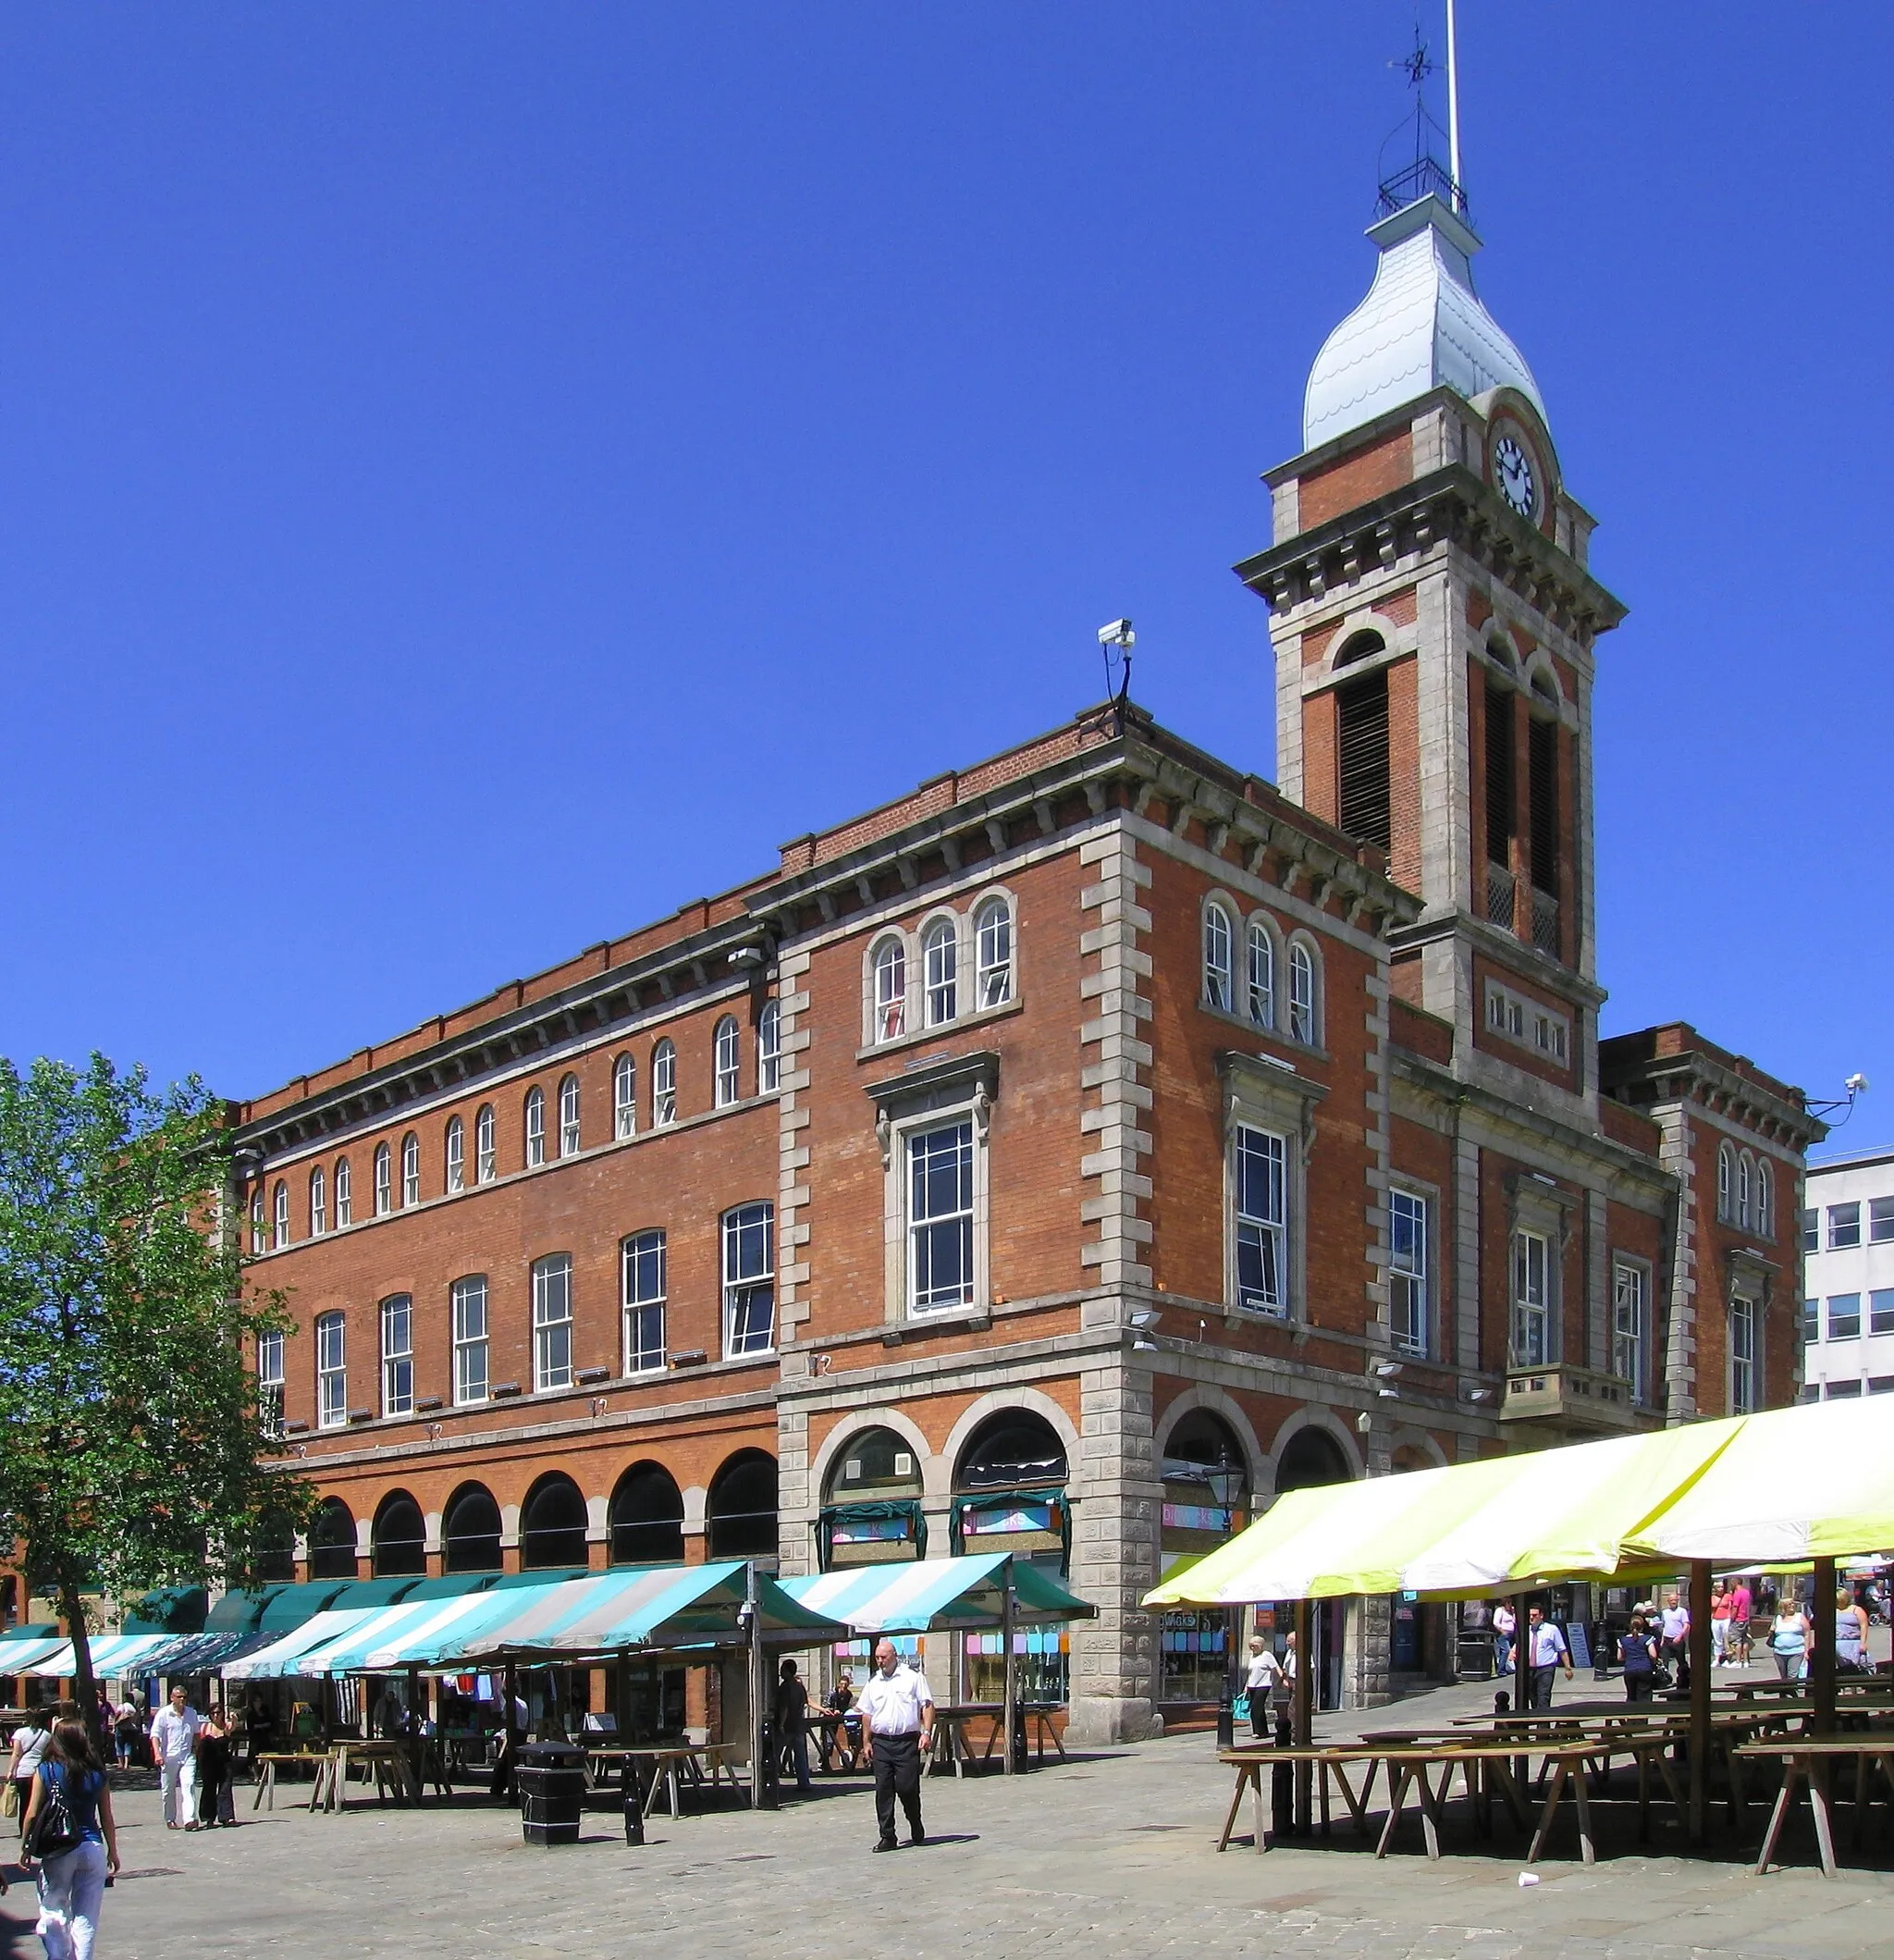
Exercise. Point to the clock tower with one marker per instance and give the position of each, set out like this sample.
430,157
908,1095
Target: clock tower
1434,623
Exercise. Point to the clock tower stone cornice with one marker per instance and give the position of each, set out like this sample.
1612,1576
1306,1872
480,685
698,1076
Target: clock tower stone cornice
1447,506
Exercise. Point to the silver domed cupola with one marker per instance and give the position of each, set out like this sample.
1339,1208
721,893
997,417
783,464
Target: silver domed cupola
1420,327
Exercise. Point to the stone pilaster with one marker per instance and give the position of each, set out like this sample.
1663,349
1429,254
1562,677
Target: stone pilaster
795,1502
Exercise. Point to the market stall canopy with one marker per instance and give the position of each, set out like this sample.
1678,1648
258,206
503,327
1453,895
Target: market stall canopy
169,1609
113,1655
21,1646
1812,1482
279,1660
918,1596
1466,1528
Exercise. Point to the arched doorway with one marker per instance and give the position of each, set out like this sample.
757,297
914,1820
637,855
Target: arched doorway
399,1537
470,1531
332,1541
871,1503
552,1524
742,1510
1206,1481
647,1518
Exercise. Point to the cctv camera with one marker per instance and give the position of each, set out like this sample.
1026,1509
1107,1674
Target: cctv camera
1857,1085
1144,1317
1117,633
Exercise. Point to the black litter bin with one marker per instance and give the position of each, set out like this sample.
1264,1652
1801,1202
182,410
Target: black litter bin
552,1792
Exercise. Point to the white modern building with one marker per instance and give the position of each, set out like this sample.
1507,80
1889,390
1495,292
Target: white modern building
1848,1277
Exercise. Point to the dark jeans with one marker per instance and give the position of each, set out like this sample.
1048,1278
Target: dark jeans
795,1746
1637,1685
1678,1652
897,1774
1539,1687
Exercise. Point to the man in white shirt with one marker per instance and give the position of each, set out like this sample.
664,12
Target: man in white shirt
174,1744
897,1709
1545,1651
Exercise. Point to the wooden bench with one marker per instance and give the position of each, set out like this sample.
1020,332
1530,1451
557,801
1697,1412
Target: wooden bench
1806,1760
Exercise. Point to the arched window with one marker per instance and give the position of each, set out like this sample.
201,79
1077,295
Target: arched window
941,971
663,1084
1305,1004
569,1117
1765,1201
1361,645
1009,1489
726,1060
993,942
1310,1457
332,1541
399,1539
871,1503
625,1097
1011,1449
552,1524
485,1154
343,1200
1261,976
318,1203
1744,1169
281,1214
384,1179
535,1126
456,1154
647,1518
1726,1182
891,989
411,1169
741,1509
1217,958
1364,794
259,1235
873,1464
470,1531
770,1049
1204,1454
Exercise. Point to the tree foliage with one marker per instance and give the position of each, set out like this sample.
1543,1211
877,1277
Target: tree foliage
132,1448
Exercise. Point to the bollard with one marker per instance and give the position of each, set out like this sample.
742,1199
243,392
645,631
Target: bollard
634,1810
770,1791
1281,1781
1021,1761
1227,1722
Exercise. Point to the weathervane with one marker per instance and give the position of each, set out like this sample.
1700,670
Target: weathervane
1425,175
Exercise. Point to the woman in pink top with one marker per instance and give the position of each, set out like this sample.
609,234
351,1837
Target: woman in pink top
1742,1606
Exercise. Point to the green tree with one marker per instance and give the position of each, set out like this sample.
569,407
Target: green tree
132,1447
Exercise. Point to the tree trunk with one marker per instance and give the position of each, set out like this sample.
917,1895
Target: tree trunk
84,1690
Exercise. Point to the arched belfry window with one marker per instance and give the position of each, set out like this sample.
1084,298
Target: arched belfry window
1365,804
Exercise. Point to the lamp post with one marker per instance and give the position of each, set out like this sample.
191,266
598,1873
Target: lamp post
1223,1483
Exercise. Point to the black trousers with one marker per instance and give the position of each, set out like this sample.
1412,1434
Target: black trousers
897,1774
1539,1687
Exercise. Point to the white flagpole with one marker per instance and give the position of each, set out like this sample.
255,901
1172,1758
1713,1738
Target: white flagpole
1453,109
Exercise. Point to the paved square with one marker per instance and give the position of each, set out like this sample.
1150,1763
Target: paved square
1108,1854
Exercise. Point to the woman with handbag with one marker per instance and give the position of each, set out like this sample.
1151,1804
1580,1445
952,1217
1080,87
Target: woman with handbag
1637,1653
71,1838
29,1744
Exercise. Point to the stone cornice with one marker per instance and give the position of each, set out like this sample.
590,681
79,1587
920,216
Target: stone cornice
1507,948
1447,506
1693,1075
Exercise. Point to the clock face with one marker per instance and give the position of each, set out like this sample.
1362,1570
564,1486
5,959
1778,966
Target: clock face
1512,471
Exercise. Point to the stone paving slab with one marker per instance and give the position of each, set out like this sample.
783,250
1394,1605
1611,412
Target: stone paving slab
1111,1855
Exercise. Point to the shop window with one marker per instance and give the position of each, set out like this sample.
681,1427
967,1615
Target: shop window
470,1531
399,1537
871,1507
332,1541
553,1525
1009,1490
741,1511
647,1518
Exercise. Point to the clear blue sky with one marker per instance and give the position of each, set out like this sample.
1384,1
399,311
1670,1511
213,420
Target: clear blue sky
471,478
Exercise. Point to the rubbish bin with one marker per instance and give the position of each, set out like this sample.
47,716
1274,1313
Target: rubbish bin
552,1792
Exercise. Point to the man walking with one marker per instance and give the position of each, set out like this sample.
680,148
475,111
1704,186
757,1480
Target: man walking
174,1746
1545,1651
793,1724
897,1727
1675,1644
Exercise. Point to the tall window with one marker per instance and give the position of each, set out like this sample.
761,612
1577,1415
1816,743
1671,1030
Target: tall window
552,1322
1532,1299
343,1202
269,1384
318,1203
1742,1355
384,1179
770,1049
1367,804
726,1054
891,989
1765,1201
1217,956
644,1292
1303,1020
397,1355
625,1097
1725,1182
1844,1227
331,1371
468,1300
535,1126
1262,977
483,1152
1262,1222
1630,1320
1501,809
569,1117
663,1085
1810,1226
992,937
1743,1172
749,1280
940,1216
259,1234
456,1154
411,1169
940,972
280,1215
1408,1272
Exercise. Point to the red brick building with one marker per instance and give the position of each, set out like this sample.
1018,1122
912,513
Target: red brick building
1072,1154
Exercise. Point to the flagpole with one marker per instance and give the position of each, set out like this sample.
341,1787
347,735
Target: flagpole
1453,109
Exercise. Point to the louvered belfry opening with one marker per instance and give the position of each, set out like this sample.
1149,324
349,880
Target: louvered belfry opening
1499,774
1542,789
1367,807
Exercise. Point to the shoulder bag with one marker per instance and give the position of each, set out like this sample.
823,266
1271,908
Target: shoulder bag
55,1831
